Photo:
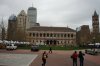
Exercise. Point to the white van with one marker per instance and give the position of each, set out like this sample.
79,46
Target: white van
11,47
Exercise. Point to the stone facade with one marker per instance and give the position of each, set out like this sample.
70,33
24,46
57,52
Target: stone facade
21,26
51,35
17,27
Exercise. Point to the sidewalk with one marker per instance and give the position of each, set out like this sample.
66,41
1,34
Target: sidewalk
57,58
61,58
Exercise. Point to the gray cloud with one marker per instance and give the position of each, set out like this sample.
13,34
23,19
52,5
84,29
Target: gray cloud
72,13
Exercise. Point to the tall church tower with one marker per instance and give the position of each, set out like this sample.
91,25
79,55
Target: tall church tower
95,23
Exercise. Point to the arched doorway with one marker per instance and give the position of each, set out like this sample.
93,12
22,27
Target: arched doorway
51,42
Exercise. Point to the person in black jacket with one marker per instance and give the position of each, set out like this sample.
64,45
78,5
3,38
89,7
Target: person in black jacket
81,58
50,50
44,57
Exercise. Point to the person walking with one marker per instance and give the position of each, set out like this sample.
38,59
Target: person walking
81,58
44,57
50,50
74,57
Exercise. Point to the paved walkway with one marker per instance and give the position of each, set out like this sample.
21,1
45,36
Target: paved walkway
8,59
57,58
62,58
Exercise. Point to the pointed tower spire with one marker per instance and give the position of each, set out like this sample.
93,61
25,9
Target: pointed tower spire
95,13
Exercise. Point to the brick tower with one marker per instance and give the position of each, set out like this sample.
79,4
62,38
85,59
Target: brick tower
95,23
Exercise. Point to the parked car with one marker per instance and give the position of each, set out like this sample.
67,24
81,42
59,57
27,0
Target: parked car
34,48
91,51
11,47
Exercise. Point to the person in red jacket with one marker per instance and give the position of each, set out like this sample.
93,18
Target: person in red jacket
74,57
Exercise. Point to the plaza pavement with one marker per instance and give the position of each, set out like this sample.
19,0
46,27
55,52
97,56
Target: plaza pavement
57,58
62,58
8,59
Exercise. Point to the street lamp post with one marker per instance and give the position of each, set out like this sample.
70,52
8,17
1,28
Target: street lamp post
94,43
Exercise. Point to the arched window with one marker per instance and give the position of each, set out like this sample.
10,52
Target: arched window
54,35
64,35
47,34
44,34
68,35
57,35
61,35
33,34
72,35
40,34
51,35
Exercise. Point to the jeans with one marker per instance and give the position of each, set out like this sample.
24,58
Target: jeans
81,62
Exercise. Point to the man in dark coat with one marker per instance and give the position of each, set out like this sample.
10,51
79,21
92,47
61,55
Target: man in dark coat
81,58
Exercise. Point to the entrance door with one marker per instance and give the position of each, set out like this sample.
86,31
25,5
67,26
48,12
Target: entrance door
51,42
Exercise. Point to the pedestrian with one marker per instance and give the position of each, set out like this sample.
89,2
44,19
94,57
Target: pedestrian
44,57
81,58
50,50
74,57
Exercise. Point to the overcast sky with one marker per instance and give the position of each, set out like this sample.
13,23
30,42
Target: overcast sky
62,13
